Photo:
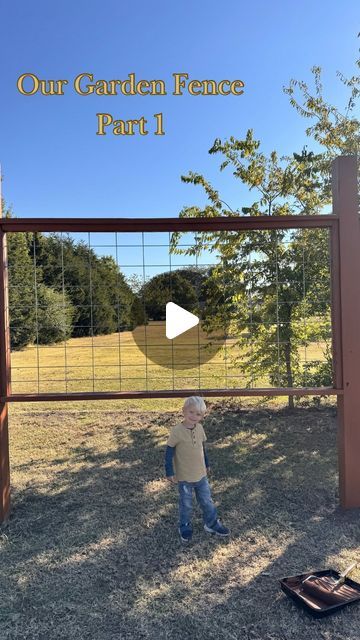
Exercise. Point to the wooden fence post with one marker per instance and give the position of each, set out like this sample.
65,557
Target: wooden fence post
346,206
4,377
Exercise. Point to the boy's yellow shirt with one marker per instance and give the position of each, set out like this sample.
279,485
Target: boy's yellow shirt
189,459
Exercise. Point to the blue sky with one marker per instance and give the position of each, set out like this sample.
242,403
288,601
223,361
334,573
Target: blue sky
55,165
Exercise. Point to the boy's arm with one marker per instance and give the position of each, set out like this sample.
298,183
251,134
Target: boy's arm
169,455
206,458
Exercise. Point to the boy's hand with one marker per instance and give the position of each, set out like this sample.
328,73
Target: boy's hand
208,470
171,479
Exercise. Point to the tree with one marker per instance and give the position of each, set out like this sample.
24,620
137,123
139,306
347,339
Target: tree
101,298
54,315
138,313
112,297
261,275
335,129
21,291
171,286
64,267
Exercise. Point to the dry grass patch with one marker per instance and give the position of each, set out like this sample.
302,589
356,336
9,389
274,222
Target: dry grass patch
116,363
91,550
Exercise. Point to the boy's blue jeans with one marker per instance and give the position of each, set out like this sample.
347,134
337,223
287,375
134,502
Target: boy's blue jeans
203,497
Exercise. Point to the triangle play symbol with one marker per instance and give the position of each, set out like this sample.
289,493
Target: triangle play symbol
178,320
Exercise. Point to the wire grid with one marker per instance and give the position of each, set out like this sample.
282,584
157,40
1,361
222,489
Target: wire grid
115,362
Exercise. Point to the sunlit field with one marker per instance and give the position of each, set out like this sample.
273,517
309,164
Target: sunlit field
116,363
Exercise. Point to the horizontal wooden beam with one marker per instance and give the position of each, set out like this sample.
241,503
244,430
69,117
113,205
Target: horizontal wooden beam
219,223
127,395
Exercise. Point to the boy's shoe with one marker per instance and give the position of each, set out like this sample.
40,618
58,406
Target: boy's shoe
186,533
218,529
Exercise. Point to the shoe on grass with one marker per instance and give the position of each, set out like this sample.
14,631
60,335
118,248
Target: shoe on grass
218,529
185,533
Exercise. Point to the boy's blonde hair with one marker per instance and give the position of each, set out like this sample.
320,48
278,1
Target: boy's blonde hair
197,402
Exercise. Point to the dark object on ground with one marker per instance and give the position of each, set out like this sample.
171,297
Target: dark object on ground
347,593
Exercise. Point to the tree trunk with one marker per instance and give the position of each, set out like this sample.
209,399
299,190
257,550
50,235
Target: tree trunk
289,372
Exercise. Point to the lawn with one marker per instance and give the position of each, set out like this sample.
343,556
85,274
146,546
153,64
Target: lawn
121,362
91,549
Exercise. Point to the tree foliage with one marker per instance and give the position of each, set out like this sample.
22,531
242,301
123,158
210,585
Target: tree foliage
59,289
168,287
189,287
101,298
54,315
336,129
261,274
21,292
271,304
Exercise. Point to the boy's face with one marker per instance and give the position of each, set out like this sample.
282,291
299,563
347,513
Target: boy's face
192,414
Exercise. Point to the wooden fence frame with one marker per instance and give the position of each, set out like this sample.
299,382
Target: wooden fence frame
344,228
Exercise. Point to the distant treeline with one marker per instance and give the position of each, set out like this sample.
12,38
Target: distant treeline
59,288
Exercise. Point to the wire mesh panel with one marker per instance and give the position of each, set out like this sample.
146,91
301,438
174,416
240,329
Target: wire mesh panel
88,310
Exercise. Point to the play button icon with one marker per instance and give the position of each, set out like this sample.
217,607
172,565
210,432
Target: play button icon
175,347
178,320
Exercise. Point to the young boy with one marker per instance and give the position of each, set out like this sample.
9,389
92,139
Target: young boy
186,446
